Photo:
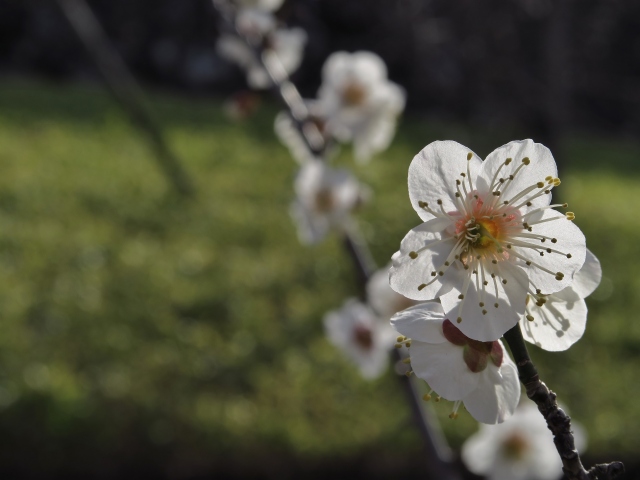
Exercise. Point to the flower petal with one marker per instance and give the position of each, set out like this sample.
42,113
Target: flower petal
558,324
421,322
433,173
541,165
588,277
441,365
497,395
407,273
492,325
570,240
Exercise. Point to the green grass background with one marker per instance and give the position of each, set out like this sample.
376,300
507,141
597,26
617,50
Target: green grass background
138,327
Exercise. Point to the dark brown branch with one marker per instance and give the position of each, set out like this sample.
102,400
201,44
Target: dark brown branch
124,88
557,420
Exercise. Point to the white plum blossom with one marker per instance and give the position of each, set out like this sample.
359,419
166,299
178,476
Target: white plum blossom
260,26
362,336
521,448
325,198
489,237
479,374
358,101
555,322
384,301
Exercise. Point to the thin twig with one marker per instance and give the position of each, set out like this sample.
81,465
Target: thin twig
557,420
437,453
124,88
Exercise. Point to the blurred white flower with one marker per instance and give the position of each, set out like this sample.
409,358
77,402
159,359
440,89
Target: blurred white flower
325,197
479,374
362,336
555,322
358,101
490,236
522,448
261,27
384,301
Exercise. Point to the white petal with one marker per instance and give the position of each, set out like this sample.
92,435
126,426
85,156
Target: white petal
374,137
489,327
541,165
497,395
433,173
311,228
442,366
558,324
480,451
588,277
381,296
570,240
421,322
407,274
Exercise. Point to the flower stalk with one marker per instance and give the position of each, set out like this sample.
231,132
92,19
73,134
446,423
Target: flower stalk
557,420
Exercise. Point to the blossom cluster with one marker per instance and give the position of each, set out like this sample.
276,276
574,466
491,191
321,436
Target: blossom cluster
492,252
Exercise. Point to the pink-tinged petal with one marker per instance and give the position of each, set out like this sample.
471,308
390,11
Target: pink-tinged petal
588,277
556,325
492,325
433,174
541,165
441,365
569,241
421,322
497,395
497,354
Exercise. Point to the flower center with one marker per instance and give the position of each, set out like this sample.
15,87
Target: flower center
353,95
363,337
482,233
515,446
324,201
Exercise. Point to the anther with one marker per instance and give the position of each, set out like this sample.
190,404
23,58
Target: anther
422,286
508,161
426,397
458,194
461,296
504,281
568,255
559,276
433,274
446,264
570,215
530,318
496,305
526,160
528,262
469,156
484,312
481,304
538,291
407,344
408,374
458,182
406,360
397,345
548,250
459,319
554,240
548,179
441,273
413,255
540,184
494,261
529,204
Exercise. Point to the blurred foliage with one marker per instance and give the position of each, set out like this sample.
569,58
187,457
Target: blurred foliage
138,327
